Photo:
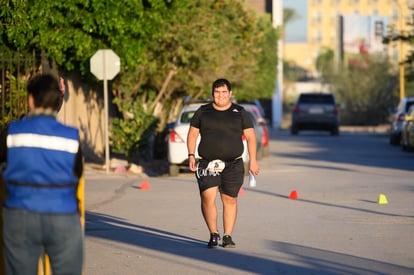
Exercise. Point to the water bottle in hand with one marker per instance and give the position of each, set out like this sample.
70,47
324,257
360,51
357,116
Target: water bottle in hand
252,180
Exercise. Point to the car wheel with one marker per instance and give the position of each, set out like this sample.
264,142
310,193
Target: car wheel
266,151
174,170
403,144
394,140
294,130
259,154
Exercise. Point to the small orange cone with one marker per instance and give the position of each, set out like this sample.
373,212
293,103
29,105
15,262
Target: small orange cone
241,191
293,195
145,185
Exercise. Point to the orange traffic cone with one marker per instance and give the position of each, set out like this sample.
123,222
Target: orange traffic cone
145,185
293,195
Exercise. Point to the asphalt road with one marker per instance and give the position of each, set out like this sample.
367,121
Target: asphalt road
336,226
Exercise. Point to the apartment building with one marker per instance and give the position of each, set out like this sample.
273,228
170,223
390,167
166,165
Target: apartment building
322,27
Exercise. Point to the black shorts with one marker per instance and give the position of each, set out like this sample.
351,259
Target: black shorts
229,180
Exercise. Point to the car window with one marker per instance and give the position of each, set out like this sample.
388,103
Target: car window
312,98
186,116
411,110
409,104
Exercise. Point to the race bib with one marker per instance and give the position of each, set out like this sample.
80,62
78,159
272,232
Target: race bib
216,166
210,169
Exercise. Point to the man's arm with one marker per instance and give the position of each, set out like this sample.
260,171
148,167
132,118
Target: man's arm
251,146
78,168
191,146
3,145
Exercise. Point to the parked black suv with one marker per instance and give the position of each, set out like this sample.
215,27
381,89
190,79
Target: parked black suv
315,111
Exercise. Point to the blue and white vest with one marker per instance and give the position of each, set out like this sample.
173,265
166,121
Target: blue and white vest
39,175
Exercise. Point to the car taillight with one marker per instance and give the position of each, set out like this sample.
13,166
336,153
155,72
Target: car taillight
401,117
296,109
336,110
265,138
265,141
174,137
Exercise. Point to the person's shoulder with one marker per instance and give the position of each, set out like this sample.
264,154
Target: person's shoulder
206,107
13,123
69,127
235,106
64,128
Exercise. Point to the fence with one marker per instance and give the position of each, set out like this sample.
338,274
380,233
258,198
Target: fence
16,69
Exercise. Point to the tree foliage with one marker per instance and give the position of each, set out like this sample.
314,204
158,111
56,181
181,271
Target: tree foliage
325,63
168,49
405,36
364,90
71,31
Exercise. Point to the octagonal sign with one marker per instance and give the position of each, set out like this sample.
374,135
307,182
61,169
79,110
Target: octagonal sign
105,64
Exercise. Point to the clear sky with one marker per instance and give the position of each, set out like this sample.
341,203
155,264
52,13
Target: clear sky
296,30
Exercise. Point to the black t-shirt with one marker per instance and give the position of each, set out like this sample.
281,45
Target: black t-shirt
221,131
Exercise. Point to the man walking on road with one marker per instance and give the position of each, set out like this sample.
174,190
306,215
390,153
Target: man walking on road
221,125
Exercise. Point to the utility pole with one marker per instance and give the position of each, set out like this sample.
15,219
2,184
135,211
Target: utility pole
277,99
401,52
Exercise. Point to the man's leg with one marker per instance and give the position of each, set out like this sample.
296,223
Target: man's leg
209,209
64,243
229,213
22,241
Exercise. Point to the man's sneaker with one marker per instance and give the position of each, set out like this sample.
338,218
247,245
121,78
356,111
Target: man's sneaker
228,242
214,239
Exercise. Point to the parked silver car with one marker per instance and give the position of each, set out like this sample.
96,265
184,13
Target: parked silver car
263,135
398,119
407,134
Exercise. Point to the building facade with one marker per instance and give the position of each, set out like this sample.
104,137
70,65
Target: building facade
323,29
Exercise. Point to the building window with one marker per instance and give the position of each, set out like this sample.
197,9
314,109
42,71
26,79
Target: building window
374,12
394,14
334,17
317,17
333,39
317,37
335,2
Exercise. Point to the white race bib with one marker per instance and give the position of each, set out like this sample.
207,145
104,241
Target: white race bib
216,165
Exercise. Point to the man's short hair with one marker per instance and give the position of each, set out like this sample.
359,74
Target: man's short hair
220,82
45,91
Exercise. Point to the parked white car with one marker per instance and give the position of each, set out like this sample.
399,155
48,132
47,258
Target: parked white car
177,141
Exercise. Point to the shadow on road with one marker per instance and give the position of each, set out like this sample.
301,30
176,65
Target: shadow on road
371,150
333,205
306,260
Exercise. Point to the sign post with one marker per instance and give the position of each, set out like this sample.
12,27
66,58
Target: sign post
105,65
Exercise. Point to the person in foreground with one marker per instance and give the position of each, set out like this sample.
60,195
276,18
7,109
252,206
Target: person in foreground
43,166
220,125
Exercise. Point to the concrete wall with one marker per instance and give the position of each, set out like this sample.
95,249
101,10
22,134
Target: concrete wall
83,108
